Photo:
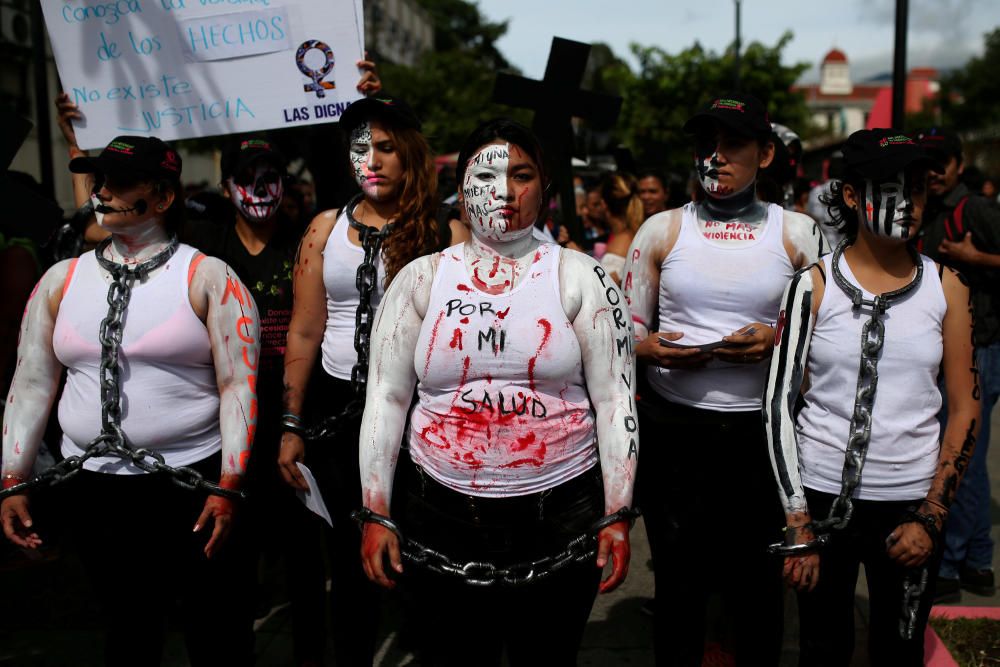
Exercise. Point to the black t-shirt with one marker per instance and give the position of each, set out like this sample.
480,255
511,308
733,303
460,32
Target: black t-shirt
268,276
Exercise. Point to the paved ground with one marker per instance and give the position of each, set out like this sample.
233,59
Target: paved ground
48,620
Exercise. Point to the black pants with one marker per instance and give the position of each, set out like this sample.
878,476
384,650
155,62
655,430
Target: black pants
826,615
711,507
134,535
279,525
354,600
538,623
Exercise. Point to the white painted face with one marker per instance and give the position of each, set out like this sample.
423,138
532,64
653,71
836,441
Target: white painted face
708,174
94,201
259,199
492,207
888,208
361,154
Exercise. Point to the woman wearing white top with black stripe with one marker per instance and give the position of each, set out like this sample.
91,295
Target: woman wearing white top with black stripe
863,472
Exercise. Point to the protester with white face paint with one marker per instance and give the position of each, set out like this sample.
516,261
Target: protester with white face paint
864,464
522,437
160,348
398,207
708,272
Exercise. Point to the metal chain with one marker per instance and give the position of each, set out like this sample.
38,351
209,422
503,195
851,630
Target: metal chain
366,280
481,573
112,440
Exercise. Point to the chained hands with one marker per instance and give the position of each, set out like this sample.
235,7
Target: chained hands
293,450
376,542
909,545
801,571
613,542
651,352
17,523
743,349
219,511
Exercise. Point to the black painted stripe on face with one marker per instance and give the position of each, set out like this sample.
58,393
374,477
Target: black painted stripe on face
890,214
875,198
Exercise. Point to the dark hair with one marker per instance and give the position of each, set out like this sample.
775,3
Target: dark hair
841,216
511,132
657,174
174,216
620,193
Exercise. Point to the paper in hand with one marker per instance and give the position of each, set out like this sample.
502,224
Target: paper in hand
313,499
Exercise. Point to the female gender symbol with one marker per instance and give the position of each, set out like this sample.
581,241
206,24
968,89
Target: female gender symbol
317,76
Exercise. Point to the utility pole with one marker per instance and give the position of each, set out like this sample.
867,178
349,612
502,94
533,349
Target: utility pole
899,66
737,49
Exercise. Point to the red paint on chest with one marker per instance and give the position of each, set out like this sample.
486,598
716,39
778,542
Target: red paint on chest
546,333
464,320
496,266
456,339
463,287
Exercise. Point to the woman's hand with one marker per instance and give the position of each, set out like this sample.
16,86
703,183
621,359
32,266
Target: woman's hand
219,510
744,349
801,572
293,451
613,542
369,84
68,112
376,542
651,352
17,523
909,545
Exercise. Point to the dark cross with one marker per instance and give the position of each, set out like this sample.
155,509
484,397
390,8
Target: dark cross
556,99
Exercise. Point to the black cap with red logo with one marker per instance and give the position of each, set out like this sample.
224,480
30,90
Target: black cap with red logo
742,113
133,156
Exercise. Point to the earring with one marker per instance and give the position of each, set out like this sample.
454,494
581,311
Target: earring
159,207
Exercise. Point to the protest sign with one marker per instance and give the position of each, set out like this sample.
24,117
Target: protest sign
189,68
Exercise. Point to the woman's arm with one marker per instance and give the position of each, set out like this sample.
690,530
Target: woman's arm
784,382
233,324
305,335
32,391
604,329
650,247
67,113
391,379
803,240
910,543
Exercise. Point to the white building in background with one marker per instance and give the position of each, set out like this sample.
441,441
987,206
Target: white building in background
398,31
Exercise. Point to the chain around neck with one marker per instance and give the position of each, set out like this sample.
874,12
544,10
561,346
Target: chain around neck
142,269
360,226
883,300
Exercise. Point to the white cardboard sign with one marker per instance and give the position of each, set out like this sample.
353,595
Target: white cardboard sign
177,69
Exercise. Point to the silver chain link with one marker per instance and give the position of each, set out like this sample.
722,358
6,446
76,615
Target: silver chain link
366,280
112,440
580,549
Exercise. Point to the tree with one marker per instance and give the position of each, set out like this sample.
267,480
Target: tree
970,96
668,89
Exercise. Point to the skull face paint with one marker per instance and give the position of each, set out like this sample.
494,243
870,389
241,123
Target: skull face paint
501,192
887,210
362,154
708,174
258,200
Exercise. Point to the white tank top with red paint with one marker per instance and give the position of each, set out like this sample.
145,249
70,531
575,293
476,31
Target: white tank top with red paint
503,409
169,398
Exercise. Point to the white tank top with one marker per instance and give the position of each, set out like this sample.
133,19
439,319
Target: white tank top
708,291
903,451
170,402
503,409
341,260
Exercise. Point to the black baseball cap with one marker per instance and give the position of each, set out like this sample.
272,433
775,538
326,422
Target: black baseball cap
742,113
941,143
137,156
242,152
881,153
383,107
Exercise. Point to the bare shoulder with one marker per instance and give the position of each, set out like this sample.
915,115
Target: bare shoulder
414,282
321,225
954,285
54,282
802,237
657,236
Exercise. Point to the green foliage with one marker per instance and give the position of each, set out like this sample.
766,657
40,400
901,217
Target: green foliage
972,642
970,96
668,89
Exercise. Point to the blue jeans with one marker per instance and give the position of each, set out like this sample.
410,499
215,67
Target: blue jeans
967,538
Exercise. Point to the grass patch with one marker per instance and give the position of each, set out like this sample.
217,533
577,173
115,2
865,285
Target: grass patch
973,642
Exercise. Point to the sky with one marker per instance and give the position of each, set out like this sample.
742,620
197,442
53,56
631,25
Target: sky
942,33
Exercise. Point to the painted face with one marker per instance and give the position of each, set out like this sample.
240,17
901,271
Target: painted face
257,194
126,202
502,192
727,164
892,208
377,168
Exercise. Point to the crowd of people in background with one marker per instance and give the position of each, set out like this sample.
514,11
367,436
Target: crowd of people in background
733,309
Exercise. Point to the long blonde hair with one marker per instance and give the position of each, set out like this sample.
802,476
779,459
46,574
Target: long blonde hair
619,192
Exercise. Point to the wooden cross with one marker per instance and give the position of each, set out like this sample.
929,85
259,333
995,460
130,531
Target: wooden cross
556,99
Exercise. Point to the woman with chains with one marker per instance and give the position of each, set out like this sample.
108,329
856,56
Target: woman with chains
704,283
147,329
345,261
523,441
620,195
862,338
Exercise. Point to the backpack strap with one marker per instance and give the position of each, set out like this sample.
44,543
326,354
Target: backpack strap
954,228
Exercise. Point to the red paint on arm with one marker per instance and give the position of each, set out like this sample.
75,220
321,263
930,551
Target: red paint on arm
69,277
430,344
193,267
233,287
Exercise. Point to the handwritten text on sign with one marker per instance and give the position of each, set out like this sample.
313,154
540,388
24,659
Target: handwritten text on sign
187,68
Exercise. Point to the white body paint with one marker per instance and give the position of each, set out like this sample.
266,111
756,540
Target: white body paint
258,201
485,188
362,153
888,211
232,323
